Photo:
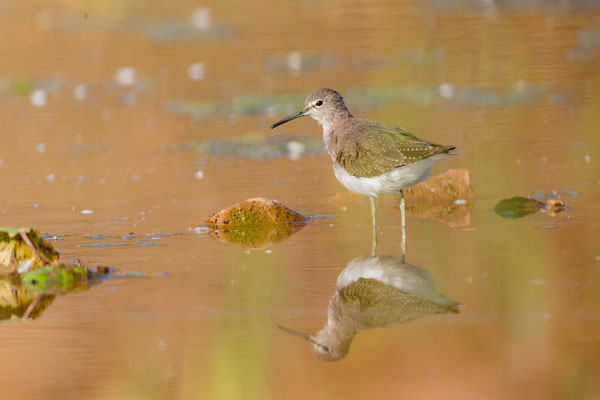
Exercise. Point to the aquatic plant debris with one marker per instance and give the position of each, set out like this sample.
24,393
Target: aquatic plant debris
62,278
99,245
148,244
99,236
34,275
53,236
518,207
144,242
18,245
255,222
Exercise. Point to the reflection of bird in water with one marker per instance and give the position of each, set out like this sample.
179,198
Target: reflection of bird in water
375,292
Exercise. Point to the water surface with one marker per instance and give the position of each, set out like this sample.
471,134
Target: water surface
142,118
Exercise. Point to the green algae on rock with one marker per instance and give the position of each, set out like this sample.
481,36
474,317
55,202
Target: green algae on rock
255,222
255,211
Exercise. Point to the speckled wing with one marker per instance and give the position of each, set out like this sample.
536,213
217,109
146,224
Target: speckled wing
381,148
376,305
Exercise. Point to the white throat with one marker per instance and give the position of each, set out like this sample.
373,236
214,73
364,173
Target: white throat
325,124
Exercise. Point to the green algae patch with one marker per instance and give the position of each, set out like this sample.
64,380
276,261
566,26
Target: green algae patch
518,207
31,275
20,246
255,222
61,278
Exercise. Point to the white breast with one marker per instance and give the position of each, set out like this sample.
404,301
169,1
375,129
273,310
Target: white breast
392,271
390,182
388,270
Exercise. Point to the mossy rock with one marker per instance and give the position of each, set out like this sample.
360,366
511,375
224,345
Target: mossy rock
255,223
255,212
14,250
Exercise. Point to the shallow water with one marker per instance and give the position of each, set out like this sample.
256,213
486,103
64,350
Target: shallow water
111,127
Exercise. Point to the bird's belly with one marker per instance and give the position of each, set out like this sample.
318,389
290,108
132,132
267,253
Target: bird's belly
390,182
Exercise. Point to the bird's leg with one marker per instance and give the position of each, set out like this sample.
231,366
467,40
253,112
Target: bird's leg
403,212
374,226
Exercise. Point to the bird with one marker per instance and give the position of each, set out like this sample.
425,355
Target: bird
375,292
370,157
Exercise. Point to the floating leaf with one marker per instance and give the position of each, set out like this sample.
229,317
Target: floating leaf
14,249
517,207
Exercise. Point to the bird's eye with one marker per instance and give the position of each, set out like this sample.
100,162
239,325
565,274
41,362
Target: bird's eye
326,348
319,103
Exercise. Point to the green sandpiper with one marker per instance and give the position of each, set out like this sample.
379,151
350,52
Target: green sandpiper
370,157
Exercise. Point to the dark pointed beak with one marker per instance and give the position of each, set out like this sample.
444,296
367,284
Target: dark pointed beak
299,114
294,332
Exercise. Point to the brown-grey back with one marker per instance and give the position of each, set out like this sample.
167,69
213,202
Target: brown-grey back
368,148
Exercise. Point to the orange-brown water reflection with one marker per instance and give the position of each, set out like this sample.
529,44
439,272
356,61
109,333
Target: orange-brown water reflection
513,87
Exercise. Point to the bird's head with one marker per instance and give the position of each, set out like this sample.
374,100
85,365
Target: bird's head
327,344
322,104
